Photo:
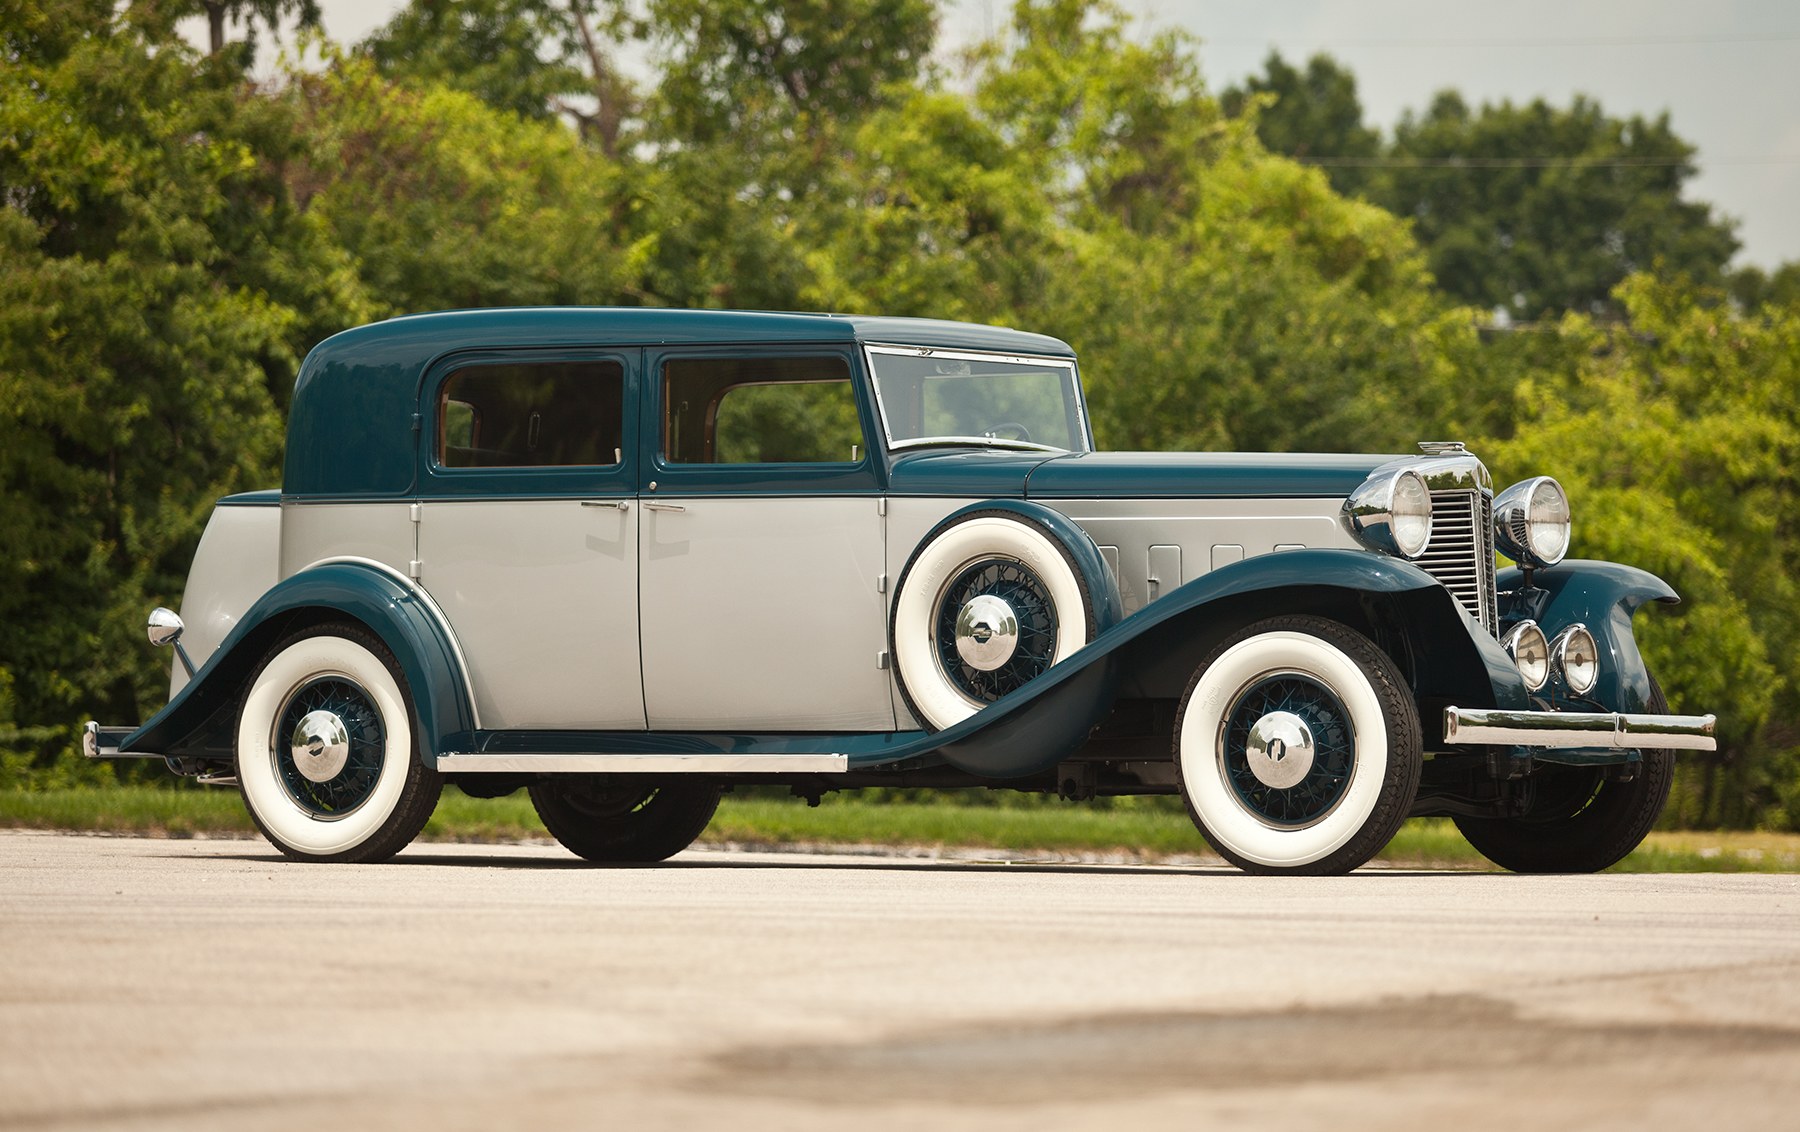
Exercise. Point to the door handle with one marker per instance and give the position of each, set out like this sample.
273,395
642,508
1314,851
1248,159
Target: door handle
664,507
621,504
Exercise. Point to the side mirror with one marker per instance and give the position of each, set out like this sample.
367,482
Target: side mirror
165,629
165,626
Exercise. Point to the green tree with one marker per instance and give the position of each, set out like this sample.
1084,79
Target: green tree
760,69
157,288
1752,287
1677,441
535,58
1312,115
1537,210
445,201
249,13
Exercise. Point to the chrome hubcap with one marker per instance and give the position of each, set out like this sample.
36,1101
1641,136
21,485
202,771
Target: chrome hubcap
1280,750
987,632
320,746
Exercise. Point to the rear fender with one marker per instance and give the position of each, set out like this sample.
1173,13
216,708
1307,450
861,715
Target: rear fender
199,721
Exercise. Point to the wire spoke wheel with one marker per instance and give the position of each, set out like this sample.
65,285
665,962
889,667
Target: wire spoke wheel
989,601
1320,718
339,699
1025,598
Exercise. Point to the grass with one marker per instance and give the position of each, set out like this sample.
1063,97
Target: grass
1138,832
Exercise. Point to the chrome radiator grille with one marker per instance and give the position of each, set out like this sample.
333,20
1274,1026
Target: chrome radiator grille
1461,552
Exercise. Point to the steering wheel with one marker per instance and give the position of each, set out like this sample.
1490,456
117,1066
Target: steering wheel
1019,431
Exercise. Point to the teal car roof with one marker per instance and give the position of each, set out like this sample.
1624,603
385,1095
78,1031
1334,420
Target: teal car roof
350,429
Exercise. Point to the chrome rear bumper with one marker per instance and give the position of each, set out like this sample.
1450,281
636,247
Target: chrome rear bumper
1609,729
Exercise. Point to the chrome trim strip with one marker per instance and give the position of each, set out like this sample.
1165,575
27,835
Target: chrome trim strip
1083,424
456,762
1616,730
431,607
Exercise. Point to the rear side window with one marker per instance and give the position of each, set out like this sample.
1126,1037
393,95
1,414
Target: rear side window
532,415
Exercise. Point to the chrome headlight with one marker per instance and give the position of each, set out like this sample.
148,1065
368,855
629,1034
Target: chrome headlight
1391,512
1574,654
1525,643
1531,522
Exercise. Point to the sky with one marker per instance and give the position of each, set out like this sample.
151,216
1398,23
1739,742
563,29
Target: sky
1727,72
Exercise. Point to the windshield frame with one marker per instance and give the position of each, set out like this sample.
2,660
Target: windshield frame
1083,426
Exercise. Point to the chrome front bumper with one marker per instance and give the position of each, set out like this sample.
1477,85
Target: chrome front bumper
1568,729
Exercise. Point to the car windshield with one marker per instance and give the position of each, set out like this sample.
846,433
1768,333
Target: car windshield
1002,401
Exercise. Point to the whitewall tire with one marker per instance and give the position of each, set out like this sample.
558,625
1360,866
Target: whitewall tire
987,603
1298,747
326,755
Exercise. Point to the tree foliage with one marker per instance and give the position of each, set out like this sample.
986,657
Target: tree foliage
157,289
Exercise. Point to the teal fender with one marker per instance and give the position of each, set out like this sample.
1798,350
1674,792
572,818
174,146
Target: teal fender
1445,655
1603,596
199,722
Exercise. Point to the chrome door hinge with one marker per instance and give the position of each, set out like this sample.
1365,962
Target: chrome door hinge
881,659
418,512
881,583
881,506
415,569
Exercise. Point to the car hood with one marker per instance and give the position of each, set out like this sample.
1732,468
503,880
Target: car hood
1001,473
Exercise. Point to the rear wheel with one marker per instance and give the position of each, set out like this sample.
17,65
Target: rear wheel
623,819
326,755
1579,820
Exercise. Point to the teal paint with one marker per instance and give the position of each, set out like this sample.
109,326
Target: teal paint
1220,475
351,429
270,497
198,721
1603,596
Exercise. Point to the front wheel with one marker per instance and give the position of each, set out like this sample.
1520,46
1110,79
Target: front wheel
1298,748
1577,819
326,755
621,819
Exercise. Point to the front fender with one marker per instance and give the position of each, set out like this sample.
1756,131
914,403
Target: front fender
1155,651
199,721
1603,596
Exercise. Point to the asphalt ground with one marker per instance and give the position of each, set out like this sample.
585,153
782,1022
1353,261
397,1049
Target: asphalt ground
154,984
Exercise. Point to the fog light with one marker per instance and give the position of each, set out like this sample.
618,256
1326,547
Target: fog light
1575,654
1525,643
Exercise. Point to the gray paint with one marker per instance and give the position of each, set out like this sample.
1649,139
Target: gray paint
542,596
1191,537
381,532
238,559
764,613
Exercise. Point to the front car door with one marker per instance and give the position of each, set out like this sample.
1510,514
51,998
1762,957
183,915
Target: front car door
762,545
528,531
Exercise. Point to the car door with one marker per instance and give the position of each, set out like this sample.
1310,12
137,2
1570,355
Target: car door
528,534
761,545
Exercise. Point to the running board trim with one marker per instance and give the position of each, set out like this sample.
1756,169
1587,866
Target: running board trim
457,762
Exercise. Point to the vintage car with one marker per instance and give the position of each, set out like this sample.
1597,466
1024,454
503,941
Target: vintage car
630,559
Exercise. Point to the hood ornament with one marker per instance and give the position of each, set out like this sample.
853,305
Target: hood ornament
1443,448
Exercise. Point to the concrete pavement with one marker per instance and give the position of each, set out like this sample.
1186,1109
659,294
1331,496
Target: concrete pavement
210,984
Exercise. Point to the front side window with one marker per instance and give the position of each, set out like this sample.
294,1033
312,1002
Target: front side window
759,410
932,397
532,415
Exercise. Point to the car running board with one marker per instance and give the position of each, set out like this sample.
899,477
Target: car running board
456,762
